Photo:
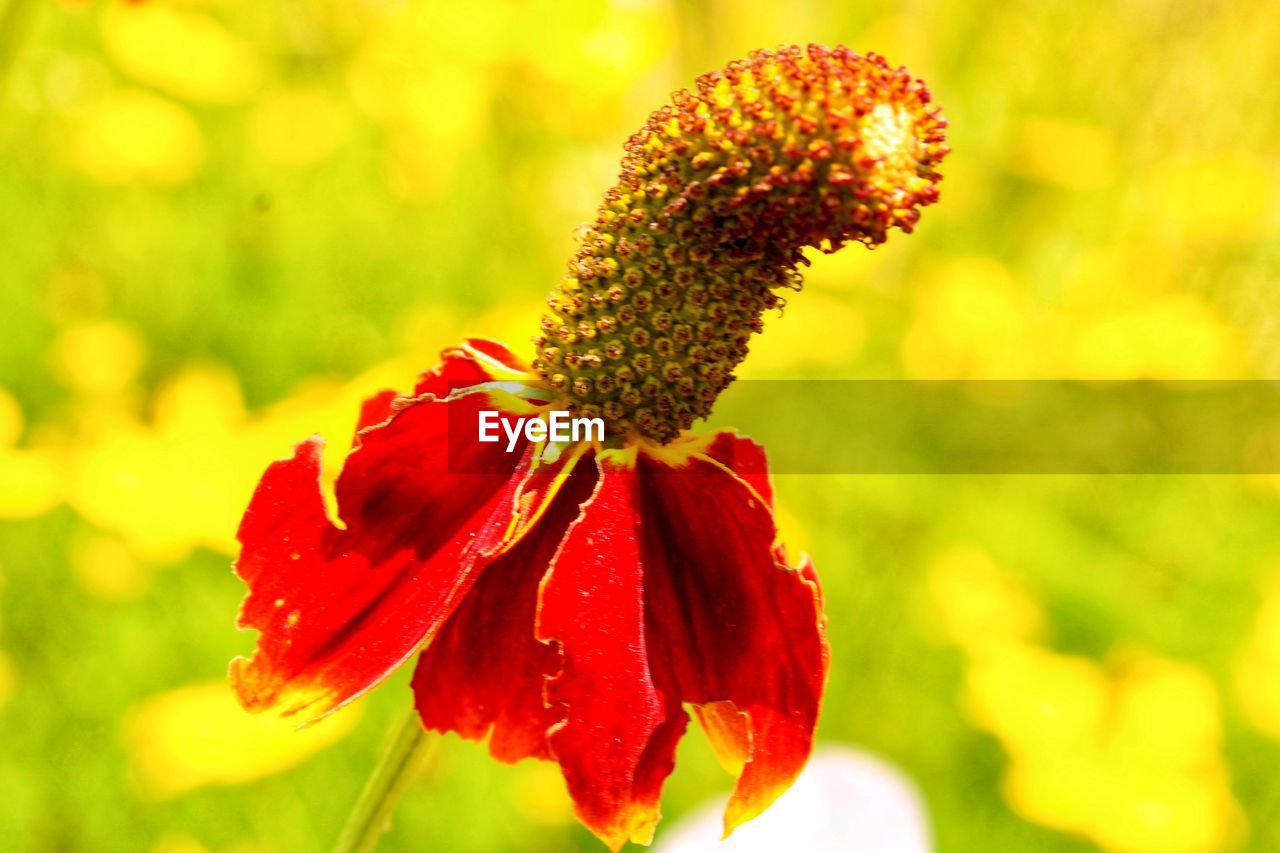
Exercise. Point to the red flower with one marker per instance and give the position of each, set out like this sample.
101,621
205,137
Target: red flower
570,601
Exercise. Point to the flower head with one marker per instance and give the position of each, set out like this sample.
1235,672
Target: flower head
719,193
569,603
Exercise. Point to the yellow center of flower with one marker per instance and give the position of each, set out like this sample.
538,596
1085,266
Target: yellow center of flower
719,193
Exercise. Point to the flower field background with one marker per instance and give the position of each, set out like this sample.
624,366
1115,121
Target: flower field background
224,223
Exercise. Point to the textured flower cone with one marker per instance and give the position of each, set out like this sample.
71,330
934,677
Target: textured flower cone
719,193
569,603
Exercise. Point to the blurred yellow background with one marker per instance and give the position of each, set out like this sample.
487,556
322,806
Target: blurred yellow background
225,222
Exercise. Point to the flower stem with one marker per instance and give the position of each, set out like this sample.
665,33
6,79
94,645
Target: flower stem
371,815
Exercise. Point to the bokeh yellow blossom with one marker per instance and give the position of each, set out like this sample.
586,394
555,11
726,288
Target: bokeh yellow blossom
971,322
198,735
29,479
296,127
11,420
182,51
1128,755
107,568
1227,197
180,481
415,75
1061,153
137,136
782,348
1174,337
8,677
981,607
1258,670
98,357
1139,768
540,794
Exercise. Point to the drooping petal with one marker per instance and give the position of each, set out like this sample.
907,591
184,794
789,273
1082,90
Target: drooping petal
729,622
474,361
745,458
729,732
485,670
339,608
374,411
617,742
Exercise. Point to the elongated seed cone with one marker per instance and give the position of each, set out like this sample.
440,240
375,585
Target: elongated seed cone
719,192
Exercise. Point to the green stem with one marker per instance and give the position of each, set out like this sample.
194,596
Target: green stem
371,815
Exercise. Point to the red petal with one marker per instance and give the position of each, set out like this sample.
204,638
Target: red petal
729,622
477,360
745,458
474,362
617,742
375,410
729,732
495,356
485,670
339,609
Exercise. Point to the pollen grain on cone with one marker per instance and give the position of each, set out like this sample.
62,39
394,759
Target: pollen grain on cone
718,194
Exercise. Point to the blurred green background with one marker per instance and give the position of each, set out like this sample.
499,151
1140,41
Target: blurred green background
224,222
